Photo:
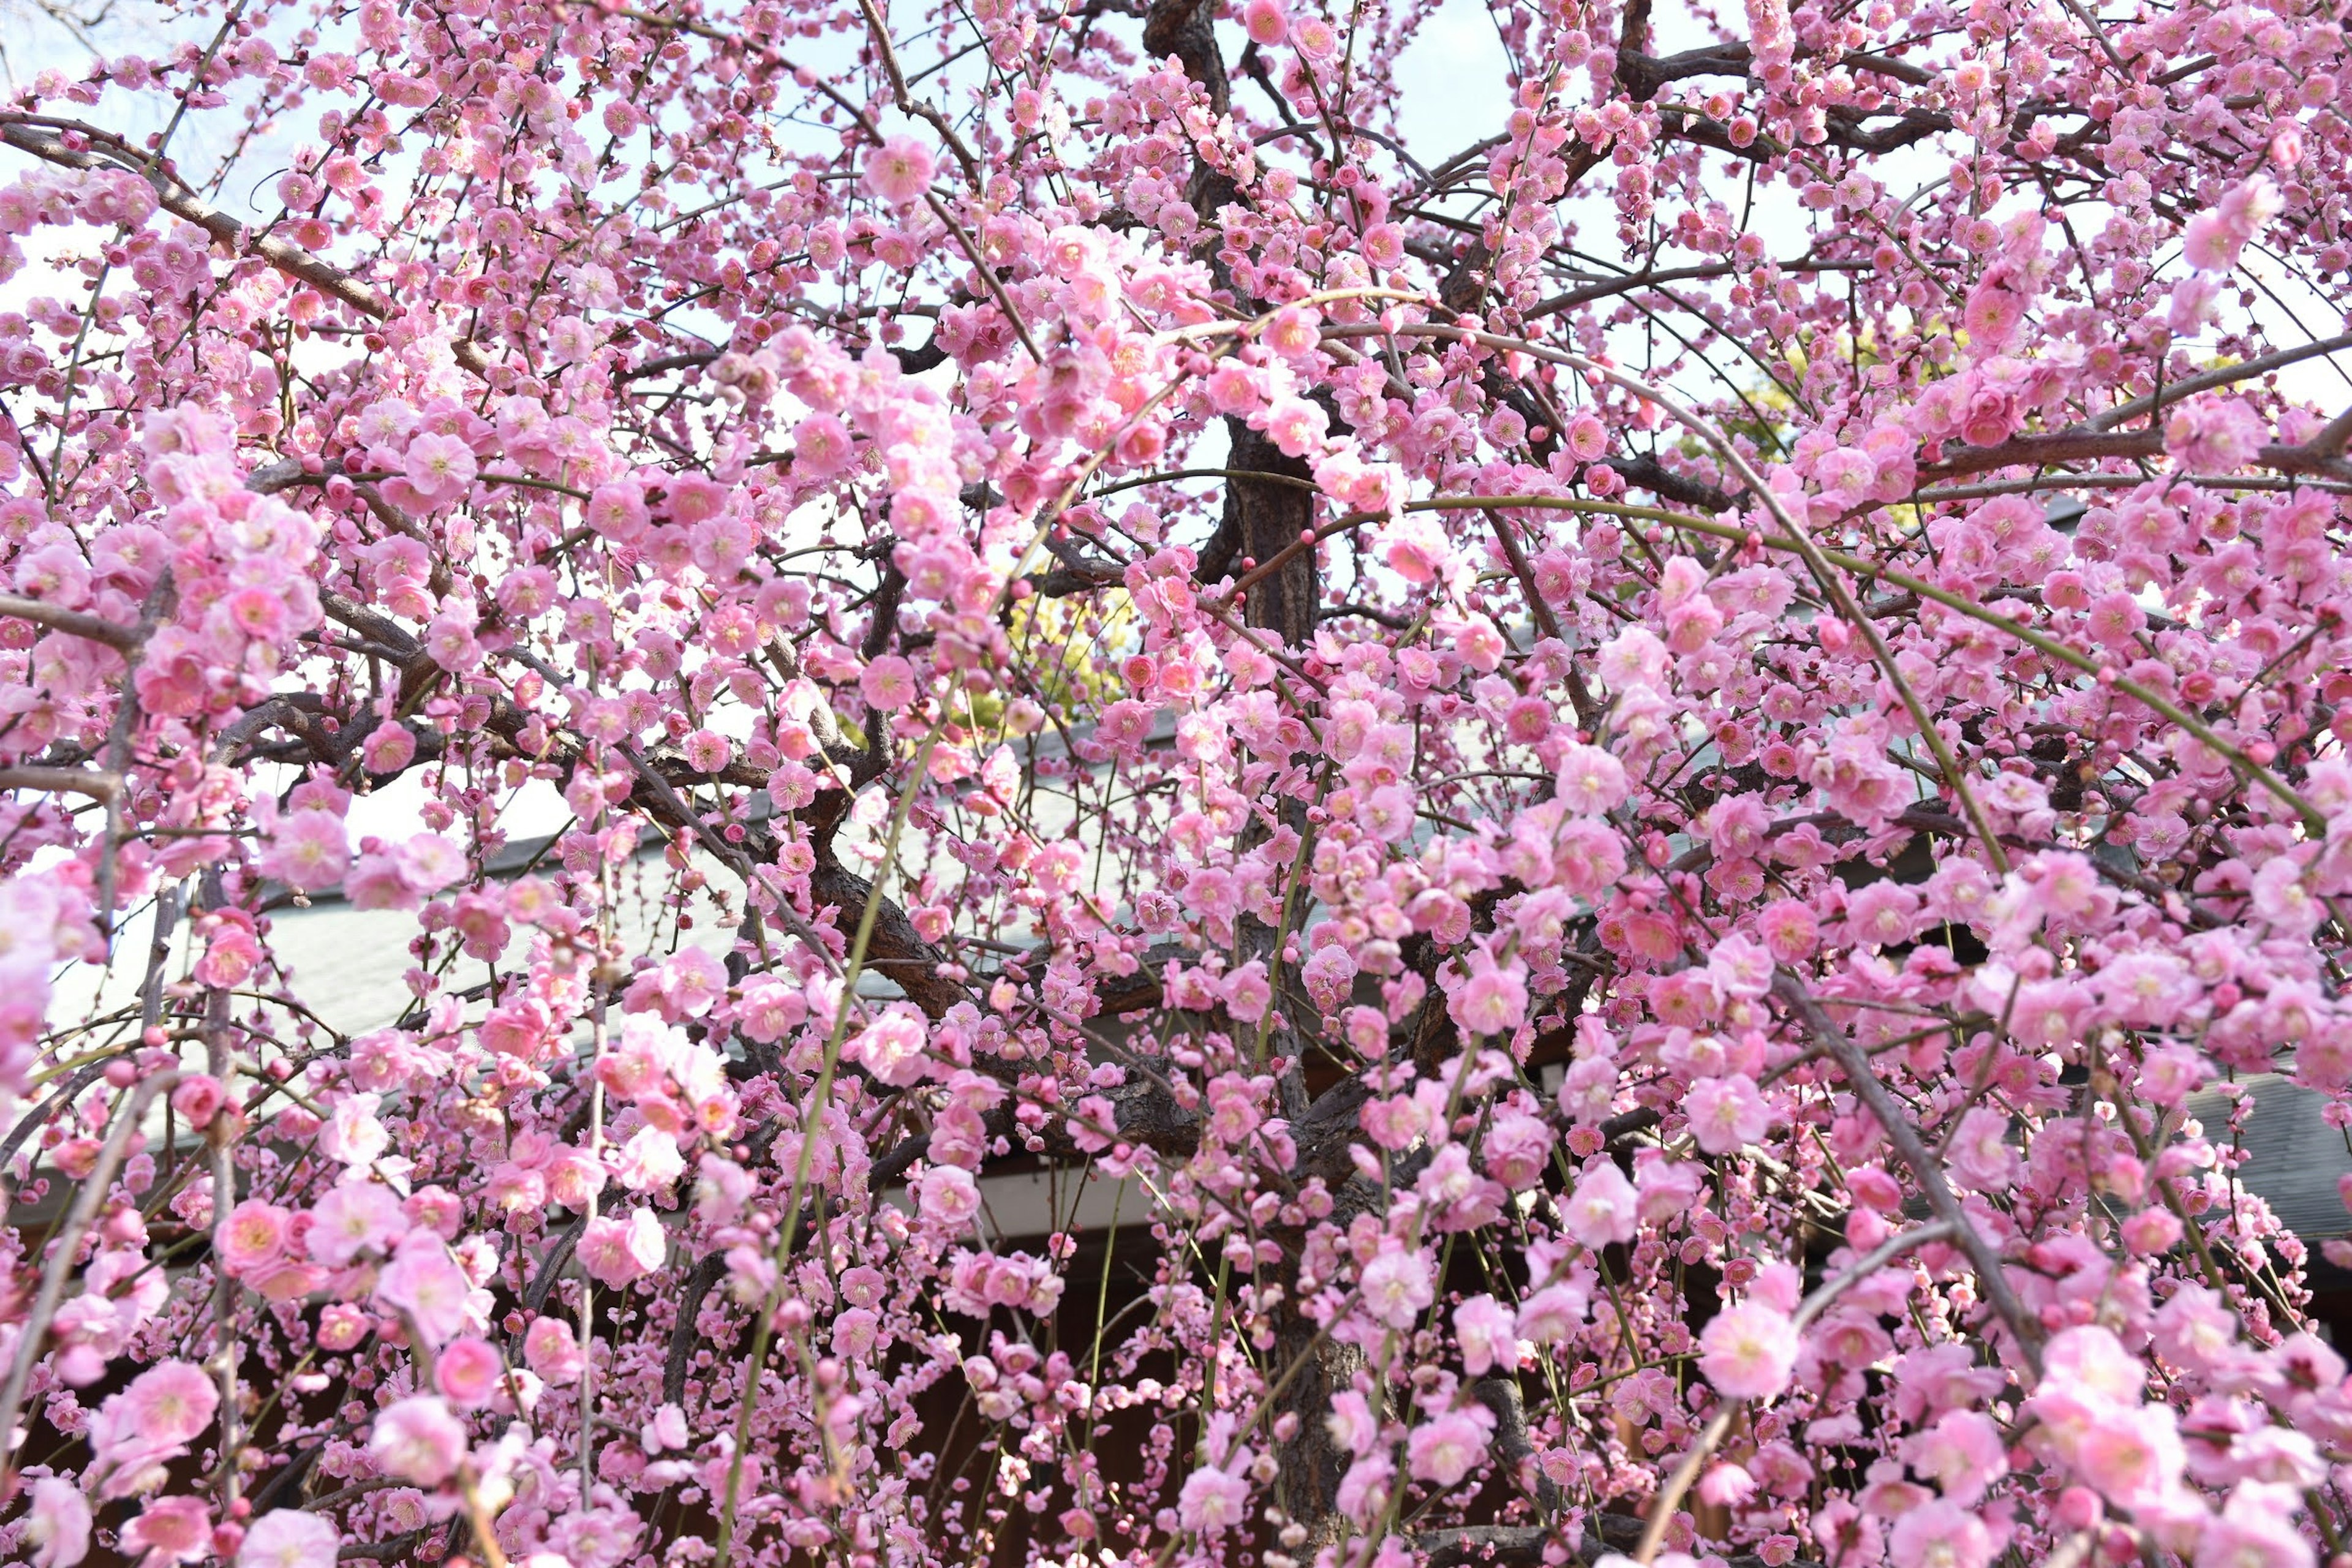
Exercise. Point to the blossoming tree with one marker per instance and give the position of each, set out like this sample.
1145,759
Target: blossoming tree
1622,777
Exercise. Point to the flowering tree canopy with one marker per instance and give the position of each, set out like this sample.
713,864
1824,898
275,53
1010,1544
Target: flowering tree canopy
1620,777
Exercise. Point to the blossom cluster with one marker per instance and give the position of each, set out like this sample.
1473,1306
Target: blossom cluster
1624,816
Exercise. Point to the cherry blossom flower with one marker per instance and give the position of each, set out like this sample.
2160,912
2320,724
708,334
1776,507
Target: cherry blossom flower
417,1439
899,170
288,1538
59,1528
1444,1451
1749,1351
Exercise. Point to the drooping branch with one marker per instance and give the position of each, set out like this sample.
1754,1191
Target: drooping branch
1925,1167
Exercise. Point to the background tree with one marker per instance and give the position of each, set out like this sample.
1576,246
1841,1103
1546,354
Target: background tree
1624,775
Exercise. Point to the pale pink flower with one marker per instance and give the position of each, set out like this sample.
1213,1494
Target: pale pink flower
1939,1534
1749,1351
1553,1314
429,862
2133,1454
288,1538
1489,1335
552,1351
1963,1454
342,1326
2195,1330
170,1402
439,467
424,1283
821,446
1213,1501
616,1251
308,850
353,1135
170,1529
888,683
1396,1285
1980,1152
649,1162
254,1238
417,1439
947,1196
1249,991
2088,1359
1351,1423
1592,782
59,1527
1448,1448
1492,1002
1727,1114
354,1217
2255,1528
1602,1208
1387,812
2213,435
892,1047
899,170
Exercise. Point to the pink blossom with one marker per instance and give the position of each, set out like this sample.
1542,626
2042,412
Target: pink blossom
170,1403
2213,435
59,1527
254,1238
1592,782
468,1372
429,862
1939,1534
1488,1334
288,1538
417,1439
1553,1314
423,1282
1492,1002
439,467
947,1196
1212,1501
1602,1208
1963,1454
892,1047
354,1217
354,1135
552,1351
1445,1450
2133,1454
1727,1114
888,683
2254,1529
616,1250
898,171
1396,1287
1749,1351
1980,1153
307,851
170,1529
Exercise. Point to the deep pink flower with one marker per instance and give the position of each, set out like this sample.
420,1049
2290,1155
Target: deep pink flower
467,1372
